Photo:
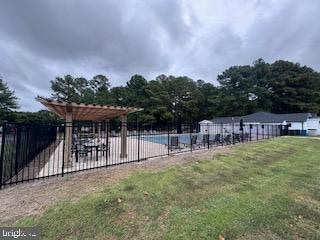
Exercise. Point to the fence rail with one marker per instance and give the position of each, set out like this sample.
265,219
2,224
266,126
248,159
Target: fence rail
30,152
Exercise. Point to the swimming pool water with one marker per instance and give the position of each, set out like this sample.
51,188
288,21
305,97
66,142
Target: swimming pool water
163,139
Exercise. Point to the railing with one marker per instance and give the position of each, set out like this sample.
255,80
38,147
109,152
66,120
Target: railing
30,152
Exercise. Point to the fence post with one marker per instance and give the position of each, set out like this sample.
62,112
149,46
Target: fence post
257,132
208,127
138,142
220,133
2,153
107,142
280,130
168,139
18,143
190,137
233,133
262,126
63,148
242,134
250,127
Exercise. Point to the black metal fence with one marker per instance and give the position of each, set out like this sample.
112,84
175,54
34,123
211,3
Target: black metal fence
30,152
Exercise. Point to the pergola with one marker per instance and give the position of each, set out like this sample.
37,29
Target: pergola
71,111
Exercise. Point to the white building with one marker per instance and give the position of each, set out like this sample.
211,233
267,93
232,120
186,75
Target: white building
206,126
299,123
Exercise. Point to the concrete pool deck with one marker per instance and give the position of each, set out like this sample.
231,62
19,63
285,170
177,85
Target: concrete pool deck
147,150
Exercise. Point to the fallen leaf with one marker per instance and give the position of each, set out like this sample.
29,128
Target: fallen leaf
146,193
221,237
119,200
300,216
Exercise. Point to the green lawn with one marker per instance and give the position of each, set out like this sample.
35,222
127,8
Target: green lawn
264,190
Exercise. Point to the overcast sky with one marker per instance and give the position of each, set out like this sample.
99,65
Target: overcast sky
42,39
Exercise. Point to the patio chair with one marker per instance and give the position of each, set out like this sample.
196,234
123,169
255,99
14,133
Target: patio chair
174,143
74,143
104,148
237,137
193,142
194,139
81,151
241,137
246,137
205,139
227,139
217,139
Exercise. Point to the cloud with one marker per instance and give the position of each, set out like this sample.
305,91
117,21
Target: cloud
40,40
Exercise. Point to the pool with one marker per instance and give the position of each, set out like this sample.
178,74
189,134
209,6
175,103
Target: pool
163,138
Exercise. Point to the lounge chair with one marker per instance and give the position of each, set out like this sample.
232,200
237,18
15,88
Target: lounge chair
227,139
246,137
217,139
205,139
237,137
174,143
193,142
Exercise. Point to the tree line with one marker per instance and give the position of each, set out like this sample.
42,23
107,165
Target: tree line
279,87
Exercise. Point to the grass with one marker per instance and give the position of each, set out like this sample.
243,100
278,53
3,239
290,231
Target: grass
265,190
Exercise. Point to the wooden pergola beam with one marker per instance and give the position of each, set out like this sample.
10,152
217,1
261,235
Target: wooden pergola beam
82,111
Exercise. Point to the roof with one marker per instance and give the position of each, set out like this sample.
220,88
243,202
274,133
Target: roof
205,121
265,117
296,117
82,111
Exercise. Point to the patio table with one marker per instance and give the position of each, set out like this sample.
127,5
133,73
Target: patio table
91,146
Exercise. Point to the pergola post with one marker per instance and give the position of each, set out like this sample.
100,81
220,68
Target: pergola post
68,139
107,123
94,130
123,153
99,131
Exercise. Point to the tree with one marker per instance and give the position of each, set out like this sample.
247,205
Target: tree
294,88
8,100
157,104
280,87
238,95
99,85
119,95
208,100
136,90
42,116
262,87
79,89
69,89
181,98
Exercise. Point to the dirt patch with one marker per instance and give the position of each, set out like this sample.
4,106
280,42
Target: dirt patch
33,198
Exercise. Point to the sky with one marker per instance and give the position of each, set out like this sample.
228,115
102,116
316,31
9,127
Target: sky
41,40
